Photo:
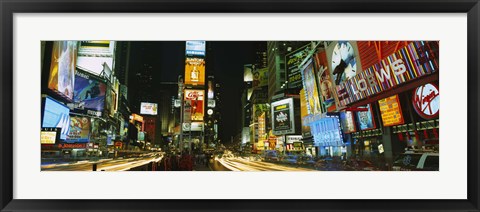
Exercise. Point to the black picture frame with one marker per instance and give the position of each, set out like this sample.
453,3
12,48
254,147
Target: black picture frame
10,7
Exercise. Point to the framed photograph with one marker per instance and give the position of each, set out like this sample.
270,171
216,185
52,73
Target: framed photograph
227,106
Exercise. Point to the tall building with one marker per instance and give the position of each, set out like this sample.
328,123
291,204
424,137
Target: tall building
122,61
261,60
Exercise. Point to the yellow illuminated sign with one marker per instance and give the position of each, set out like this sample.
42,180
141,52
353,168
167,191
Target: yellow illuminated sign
194,71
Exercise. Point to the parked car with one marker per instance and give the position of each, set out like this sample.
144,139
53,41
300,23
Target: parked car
416,161
290,159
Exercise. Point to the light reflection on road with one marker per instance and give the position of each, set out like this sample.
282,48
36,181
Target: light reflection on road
245,164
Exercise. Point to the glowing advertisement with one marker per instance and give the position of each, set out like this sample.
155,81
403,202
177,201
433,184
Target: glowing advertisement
194,71
326,131
292,62
348,122
426,101
89,94
196,98
391,111
62,68
283,117
210,90
325,81
260,77
195,48
148,108
343,62
79,130
417,59
258,109
365,118
304,114
96,56
261,127
48,137
311,90
56,115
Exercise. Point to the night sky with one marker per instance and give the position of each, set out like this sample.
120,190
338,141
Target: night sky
167,59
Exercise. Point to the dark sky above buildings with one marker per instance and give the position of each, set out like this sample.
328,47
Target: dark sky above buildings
167,60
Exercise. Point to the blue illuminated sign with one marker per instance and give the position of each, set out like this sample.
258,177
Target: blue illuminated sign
56,115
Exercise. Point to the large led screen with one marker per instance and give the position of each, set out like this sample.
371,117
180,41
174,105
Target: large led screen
194,71
56,115
148,108
62,68
89,93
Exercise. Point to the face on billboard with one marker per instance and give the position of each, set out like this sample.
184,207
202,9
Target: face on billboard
62,68
89,93
148,108
79,129
194,71
196,98
311,92
365,118
56,115
344,64
325,82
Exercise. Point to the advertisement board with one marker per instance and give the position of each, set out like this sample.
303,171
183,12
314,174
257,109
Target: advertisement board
365,118
327,131
391,111
292,62
283,117
148,108
196,98
344,61
187,111
56,115
258,109
248,73
417,59
348,122
311,89
325,83
194,71
79,130
195,48
62,68
426,101
89,94
303,114
48,137
262,134
96,56
260,77
210,89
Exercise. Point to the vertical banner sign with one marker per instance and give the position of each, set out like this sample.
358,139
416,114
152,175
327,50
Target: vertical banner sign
194,71
417,59
187,112
304,114
325,81
391,111
292,63
311,90
196,98
426,101
62,68
283,117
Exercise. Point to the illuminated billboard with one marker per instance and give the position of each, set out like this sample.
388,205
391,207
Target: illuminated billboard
260,77
365,118
48,137
79,130
391,111
93,56
348,122
426,101
196,101
89,94
283,117
195,48
210,90
304,114
62,68
194,71
325,83
56,115
327,131
148,108
311,90
292,62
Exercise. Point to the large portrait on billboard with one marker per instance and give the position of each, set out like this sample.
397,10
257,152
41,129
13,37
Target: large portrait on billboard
325,81
62,68
311,90
89,94
194,71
